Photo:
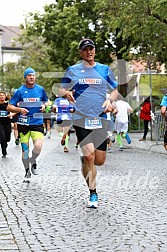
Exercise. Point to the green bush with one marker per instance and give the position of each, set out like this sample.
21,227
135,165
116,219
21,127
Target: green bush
134,122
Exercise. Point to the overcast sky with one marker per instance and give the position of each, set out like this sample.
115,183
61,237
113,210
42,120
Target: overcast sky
13,12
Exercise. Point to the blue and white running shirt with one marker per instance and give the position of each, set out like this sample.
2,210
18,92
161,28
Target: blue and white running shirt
31,99
164,101
91,85
63,109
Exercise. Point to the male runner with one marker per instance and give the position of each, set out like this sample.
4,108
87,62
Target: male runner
29,101
86,85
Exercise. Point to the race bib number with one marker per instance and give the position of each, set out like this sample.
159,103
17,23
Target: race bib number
3,113
64,117
93,123
23,120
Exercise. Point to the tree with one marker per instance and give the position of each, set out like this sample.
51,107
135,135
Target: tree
146,23
66,22
10,77
34,55
116,26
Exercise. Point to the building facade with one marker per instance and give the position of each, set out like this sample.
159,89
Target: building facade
10,49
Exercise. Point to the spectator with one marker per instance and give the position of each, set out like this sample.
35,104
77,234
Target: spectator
145,114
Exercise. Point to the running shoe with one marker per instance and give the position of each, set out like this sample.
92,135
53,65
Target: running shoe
66,149
109,150
27,177
48,135
34,169
93,200
17,141
4,154
121,148
142,139
128,138
76,146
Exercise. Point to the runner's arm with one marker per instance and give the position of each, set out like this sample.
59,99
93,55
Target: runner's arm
14,109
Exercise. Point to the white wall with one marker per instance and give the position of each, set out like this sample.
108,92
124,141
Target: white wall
9,56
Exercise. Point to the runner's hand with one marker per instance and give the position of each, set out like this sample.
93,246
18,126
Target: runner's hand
109,106
24,111
70,97
42,108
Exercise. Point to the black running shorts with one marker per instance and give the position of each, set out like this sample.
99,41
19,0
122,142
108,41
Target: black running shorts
96,136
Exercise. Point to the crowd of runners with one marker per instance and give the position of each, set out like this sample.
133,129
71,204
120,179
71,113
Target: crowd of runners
88,101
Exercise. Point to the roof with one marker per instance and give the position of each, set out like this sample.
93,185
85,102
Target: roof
9,34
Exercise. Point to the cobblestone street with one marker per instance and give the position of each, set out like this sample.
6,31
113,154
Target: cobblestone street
51,214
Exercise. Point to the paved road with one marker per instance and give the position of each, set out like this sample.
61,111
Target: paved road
51,214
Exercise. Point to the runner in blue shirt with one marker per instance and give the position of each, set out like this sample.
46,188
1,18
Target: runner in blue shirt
86,85
63,109
163,112
29,102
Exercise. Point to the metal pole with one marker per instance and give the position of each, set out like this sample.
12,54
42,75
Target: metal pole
149,67
138,98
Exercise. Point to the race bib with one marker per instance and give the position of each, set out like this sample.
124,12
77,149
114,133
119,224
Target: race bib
64,117
23,120
3,113
93,123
